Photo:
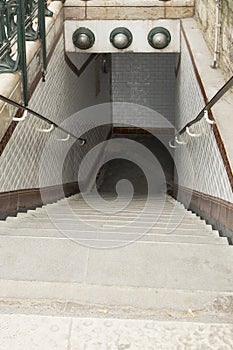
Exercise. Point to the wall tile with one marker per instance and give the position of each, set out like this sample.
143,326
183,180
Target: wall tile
144,79
62,95
210,176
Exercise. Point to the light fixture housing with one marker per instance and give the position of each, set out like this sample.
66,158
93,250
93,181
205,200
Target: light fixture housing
159,38
83,38
121,38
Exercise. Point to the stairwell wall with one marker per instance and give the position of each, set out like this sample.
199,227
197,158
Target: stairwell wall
62,95
143,79
208,168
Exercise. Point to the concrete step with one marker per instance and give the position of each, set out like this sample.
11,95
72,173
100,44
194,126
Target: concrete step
108,220
126,201
92,212
129,203
44,268
115,211
97,225
135,200
125,236
123,199
82,204
101,217
157,304
89,232
123,211
111,197
91,215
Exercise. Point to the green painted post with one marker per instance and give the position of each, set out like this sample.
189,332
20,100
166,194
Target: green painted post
22,48
42,33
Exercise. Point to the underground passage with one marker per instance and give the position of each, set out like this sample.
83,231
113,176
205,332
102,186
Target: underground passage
116,200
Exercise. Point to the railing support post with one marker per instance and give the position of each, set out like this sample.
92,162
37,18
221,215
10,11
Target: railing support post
22,48
42,34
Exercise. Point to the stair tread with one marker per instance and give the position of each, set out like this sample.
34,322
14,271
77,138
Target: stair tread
106,221
98,225
85,235
54,232
163,220
158,265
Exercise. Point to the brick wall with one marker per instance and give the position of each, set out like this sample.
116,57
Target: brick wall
144,79
208,170
205,15
60,96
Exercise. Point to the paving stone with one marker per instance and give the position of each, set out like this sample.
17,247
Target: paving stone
33,332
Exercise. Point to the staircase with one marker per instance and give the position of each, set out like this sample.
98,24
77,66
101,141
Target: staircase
48,247
175,278
168,220
128,274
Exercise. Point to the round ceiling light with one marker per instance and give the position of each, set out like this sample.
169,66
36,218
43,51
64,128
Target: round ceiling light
83,38
159,38
121,38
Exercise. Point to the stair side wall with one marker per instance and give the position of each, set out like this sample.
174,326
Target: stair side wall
60,96
205,187
208,173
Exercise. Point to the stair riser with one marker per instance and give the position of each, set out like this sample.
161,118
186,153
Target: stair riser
66,295
162,218
98,213
128,207
99,239
107,221
161,231
47,224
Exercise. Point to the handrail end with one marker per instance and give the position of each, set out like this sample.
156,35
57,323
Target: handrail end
82,142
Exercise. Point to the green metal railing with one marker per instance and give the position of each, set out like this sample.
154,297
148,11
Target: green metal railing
21,21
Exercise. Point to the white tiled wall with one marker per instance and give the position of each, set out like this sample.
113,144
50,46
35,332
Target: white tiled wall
144,79
60,96
210,176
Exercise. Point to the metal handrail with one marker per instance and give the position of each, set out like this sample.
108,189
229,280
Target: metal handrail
203,113
52,124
